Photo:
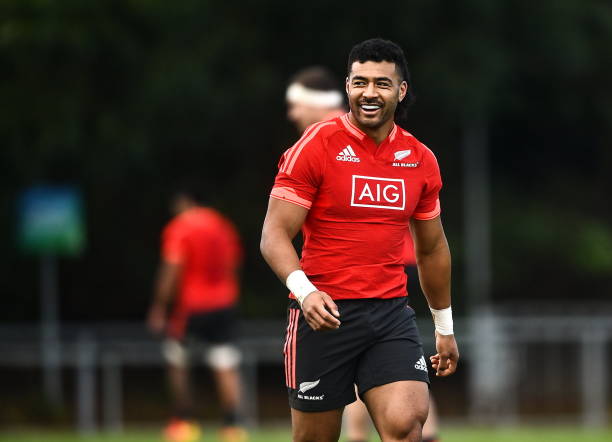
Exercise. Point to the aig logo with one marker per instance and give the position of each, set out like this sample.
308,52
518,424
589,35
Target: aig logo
382,193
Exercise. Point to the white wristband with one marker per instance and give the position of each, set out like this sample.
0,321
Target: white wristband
300,285
443,320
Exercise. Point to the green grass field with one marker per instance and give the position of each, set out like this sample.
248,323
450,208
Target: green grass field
457,434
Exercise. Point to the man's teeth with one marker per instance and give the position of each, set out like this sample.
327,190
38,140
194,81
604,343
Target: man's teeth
370,107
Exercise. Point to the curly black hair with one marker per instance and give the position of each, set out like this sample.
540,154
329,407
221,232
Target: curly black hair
378,49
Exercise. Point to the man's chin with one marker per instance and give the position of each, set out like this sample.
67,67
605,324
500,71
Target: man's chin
369,122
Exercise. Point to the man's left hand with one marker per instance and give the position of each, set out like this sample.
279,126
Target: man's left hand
445,361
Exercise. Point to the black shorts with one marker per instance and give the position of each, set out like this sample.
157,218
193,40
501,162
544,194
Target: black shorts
216,327
377,343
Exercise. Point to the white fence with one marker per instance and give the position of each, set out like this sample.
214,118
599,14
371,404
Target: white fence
500,363
507,358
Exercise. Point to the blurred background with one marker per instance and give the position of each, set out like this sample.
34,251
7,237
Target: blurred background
107,104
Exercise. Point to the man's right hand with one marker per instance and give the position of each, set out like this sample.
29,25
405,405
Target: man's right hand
320,311
156,319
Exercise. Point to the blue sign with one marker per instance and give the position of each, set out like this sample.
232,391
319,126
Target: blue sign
51,220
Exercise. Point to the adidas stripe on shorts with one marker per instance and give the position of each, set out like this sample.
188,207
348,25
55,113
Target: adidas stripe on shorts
377,343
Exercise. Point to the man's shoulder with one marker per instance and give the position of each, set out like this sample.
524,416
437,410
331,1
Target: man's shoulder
316,137
404,136
193,219
208,218
407,138
173,227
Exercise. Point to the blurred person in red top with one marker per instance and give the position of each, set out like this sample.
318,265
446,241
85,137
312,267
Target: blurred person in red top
194,306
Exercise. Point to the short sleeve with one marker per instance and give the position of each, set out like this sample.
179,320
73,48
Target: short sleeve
300,169
428,206
173,244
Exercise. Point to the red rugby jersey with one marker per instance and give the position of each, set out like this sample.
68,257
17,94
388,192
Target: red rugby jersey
207,247
360,198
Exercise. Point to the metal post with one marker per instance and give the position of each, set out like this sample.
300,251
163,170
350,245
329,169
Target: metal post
484,387
484,374
86,385
249,387
112,391
476,212
49,331
593,381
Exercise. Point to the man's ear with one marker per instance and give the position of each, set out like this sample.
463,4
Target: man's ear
403,90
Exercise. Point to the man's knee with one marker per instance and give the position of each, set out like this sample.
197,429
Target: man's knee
405,427
406,431
223,357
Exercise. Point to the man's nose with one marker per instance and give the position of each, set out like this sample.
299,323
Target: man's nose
370,90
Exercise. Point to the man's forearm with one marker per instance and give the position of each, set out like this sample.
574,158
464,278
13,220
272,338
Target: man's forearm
166,284
435,276
162,297
278,251
283,221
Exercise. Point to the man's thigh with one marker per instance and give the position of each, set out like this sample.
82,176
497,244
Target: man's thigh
397,355
398,407
321,426
320,366
213,335
175,352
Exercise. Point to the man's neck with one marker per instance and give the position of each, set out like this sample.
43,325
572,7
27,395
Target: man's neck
378,134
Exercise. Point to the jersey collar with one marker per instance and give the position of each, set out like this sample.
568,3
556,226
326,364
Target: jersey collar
358,133
351,127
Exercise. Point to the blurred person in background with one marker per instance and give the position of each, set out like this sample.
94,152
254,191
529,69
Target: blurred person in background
194,307
314,95
354,326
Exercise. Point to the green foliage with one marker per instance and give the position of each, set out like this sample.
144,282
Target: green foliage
594,248
124,98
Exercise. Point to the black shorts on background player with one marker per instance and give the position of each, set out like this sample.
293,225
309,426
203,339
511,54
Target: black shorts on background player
377,343
215,327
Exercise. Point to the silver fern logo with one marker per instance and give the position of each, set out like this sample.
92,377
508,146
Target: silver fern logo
305,386
401,154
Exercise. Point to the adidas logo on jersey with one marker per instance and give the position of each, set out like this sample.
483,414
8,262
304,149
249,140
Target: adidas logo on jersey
420,365
348,154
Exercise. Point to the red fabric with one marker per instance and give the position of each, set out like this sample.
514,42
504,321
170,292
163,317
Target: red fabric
360,198
207,247
409,258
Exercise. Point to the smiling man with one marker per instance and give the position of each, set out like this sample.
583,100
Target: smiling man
354,185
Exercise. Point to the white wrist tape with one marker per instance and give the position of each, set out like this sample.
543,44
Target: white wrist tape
300,285
443,320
